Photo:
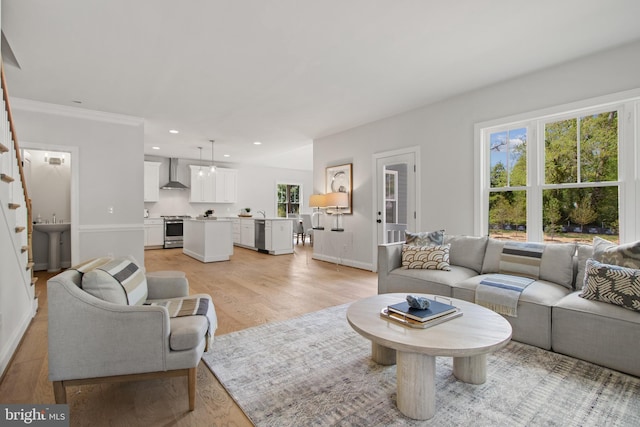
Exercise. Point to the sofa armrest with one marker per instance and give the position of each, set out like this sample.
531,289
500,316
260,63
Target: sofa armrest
167,284
389,258
90,338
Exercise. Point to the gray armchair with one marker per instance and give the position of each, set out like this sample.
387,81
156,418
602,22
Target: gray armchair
93,340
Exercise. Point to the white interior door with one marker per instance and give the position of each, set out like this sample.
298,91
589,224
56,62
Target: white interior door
396,196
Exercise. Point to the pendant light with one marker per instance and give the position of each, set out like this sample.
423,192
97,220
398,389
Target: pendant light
212,168
200,171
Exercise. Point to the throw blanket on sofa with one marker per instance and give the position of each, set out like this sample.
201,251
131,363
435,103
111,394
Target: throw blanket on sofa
500,293
191,306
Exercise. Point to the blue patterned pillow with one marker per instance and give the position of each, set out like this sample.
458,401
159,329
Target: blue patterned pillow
612,284
424,238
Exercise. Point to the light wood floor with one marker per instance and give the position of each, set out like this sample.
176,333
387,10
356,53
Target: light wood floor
249,290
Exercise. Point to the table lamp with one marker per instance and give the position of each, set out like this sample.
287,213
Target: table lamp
317,201
338,201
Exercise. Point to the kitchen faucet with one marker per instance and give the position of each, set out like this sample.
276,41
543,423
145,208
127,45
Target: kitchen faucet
264,215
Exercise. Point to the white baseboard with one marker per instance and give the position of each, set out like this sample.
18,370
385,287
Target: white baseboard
348,262
10,347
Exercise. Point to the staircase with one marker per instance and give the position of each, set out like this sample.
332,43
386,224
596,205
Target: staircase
18,303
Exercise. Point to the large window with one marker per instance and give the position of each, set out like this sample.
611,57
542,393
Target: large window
559,177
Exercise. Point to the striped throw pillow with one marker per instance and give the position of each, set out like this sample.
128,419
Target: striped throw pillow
521,259
89,265
119,281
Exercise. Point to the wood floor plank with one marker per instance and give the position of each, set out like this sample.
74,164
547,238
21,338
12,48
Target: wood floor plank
249,290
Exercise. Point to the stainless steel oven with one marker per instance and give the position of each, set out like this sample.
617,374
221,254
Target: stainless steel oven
173,231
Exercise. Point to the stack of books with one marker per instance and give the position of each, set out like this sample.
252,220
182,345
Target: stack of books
437,313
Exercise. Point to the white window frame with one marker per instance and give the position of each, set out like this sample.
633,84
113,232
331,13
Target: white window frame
628,106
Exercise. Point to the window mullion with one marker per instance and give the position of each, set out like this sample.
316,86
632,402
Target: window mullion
535,175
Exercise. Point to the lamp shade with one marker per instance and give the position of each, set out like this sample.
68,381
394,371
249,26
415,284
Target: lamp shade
317,201
338,200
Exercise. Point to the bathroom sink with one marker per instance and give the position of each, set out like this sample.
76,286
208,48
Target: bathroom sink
51,228
54,231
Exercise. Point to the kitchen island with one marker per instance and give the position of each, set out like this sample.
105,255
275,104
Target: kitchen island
208,240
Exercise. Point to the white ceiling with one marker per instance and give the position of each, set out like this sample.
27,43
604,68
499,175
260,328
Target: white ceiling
284,72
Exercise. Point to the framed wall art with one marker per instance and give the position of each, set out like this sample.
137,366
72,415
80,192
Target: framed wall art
338,180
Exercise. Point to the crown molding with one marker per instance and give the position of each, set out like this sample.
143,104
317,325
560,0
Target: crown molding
75,112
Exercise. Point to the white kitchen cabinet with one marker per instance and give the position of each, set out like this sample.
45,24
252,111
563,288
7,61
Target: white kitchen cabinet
202,185
226,185
279,236
235,231
151,181
153,233
218,187
247,233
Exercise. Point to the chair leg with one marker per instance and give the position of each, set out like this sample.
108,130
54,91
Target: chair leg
59,392
192,379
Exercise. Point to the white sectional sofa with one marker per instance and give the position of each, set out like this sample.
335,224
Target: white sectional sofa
550,312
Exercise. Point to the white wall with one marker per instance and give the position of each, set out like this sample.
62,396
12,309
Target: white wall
107,173
256,189
445,133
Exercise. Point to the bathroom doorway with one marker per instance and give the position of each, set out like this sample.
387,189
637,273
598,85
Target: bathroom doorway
49,174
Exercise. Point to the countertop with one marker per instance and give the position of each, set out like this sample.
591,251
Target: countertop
267,218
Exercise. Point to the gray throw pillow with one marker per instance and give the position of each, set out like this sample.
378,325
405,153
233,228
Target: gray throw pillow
627,255
467,251
491,263
557,264
424,238
584,253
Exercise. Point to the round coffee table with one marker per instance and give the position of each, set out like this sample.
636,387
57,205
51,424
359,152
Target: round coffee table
468,339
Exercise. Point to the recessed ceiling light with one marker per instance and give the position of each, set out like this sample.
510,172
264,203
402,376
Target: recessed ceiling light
155,148
227,155
257,143
173,131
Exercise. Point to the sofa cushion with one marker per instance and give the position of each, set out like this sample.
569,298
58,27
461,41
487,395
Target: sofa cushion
467,251
627,255
584,253
187,332
491,262
556,264
424,238
613,284
426,257
119,281
533,324
437,282
602,333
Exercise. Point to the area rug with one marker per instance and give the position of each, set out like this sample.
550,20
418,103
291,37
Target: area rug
314,370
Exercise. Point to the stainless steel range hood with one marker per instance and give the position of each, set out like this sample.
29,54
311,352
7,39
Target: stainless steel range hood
173,183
